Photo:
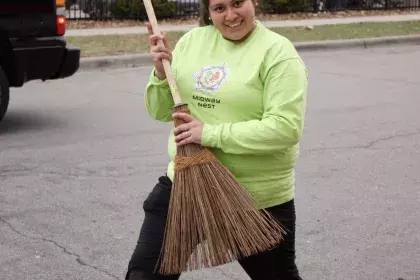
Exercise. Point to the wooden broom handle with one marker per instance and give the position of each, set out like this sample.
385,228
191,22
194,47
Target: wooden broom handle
166,64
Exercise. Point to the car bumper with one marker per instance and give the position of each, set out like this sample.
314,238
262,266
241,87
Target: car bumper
44,59
70,62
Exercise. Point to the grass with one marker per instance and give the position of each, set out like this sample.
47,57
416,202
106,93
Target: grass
100,45
128,44
350,31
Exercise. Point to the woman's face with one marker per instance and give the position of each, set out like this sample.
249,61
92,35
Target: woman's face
235,19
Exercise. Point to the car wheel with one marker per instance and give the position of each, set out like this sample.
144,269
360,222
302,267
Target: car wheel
4,93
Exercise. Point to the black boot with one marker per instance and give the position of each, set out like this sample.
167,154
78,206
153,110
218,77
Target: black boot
137,274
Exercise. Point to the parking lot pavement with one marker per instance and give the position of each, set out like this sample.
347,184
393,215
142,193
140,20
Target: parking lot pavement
78,157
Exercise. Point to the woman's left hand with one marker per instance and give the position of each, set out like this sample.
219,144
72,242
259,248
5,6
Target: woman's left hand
188,132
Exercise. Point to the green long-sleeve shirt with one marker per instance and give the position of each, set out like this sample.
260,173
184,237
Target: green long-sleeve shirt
251,98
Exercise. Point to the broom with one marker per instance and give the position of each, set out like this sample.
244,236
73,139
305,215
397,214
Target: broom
212,220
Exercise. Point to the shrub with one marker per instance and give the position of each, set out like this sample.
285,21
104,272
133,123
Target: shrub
135,9
283,6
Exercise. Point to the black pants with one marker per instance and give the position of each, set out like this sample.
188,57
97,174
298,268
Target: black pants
278,263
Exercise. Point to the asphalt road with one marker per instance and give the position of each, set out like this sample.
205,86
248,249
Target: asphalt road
79,156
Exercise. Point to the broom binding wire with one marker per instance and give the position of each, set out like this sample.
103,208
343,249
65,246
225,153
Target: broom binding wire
202,157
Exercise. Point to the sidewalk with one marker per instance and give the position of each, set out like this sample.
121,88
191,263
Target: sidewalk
286,23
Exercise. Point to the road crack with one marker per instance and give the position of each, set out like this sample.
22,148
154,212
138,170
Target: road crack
368,145
78,257
403,135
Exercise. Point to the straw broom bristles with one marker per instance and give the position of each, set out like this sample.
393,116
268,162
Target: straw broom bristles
212,219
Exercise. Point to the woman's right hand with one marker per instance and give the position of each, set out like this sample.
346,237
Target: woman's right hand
159,52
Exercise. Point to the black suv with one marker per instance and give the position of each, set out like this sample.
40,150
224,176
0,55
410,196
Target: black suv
32,45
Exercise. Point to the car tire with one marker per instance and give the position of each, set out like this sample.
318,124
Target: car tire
4,93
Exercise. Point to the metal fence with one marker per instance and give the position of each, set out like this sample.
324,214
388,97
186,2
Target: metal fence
134,9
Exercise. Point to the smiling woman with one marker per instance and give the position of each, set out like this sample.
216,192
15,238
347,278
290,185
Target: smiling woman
246,89
233,18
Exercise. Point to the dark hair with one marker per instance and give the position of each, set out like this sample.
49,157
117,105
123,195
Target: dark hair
204,13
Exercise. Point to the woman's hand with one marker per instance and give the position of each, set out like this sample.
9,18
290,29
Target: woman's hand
159,52
189,132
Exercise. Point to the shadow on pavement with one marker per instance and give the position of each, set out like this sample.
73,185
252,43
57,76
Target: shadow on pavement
23,121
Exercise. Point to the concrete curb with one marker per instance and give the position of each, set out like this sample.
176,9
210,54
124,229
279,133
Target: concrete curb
117,61
141,60
358,43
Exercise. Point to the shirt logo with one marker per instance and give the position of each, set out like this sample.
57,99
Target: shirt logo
210,78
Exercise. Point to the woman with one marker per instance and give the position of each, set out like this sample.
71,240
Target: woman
246,88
